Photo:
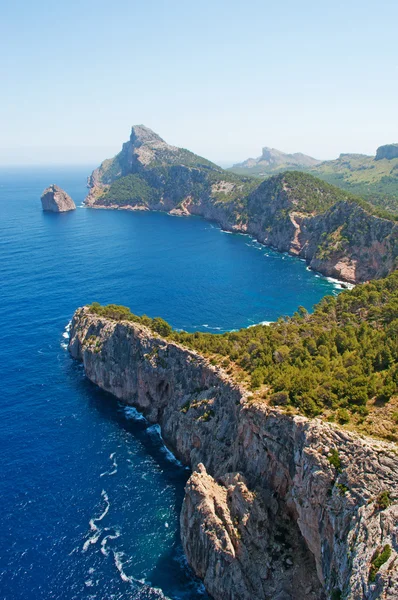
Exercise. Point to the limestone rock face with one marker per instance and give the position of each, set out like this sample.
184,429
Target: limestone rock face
266,514
389,151
54,199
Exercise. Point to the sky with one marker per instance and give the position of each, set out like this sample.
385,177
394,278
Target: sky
220,77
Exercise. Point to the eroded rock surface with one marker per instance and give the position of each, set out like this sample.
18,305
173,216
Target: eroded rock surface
266,513
54,199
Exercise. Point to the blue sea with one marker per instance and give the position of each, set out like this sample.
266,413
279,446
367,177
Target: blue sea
90,496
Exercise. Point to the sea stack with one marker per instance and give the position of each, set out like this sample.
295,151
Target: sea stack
54,199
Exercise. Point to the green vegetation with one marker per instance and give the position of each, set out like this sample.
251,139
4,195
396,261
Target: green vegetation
378,559
384,500
336,362
365,176
335,460
122,313
131,189
375,180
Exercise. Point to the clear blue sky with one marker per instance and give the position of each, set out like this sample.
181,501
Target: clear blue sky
220,77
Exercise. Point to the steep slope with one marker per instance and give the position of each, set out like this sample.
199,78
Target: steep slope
277,506
273,161
335,232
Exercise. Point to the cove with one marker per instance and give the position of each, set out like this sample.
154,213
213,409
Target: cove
91,498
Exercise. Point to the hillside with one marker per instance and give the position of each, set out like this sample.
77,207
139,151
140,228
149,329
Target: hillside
341,362
337,233
372,177
273,161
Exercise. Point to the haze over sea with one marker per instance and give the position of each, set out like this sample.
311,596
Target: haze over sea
90,495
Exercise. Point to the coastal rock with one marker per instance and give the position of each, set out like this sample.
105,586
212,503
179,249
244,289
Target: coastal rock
54,199
266,514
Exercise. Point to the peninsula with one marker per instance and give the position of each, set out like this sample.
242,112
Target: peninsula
338,234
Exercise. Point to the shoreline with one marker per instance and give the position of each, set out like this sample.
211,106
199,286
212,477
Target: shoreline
343,283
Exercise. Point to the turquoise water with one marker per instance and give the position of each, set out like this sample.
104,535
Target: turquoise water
90,496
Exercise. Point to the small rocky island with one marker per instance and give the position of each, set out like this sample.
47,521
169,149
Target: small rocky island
55,199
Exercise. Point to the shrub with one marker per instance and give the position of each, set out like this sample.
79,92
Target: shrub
383,500
335,460
378,559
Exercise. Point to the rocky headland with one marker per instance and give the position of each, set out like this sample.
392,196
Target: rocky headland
55,199
277,506
337,234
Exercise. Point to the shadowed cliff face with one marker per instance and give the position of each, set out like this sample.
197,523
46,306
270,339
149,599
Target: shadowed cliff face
293,212
276,507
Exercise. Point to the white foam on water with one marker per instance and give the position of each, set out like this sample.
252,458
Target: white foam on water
114,465
117,556
155,430
340,285
93,527
132,413
89,583
93,540
267,323
104,549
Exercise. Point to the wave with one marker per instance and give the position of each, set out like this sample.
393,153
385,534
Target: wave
267,323
340,285
66,335
104,549
130,412
97,531
154,431
114,465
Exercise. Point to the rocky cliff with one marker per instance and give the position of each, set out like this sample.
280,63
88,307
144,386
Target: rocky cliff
389,152
54,199
277,506
334,232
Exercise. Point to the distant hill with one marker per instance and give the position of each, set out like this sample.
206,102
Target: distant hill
274,161
372,177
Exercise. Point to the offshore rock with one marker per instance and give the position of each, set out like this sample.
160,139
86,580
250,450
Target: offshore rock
266,514
54,199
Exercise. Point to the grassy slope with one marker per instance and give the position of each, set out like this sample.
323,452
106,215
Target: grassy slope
340,363
375,180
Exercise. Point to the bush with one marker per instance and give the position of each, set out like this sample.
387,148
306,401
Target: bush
378,559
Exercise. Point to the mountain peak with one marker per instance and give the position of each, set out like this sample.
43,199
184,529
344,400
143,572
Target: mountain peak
140,134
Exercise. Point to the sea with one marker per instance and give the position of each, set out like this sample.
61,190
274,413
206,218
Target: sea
90,495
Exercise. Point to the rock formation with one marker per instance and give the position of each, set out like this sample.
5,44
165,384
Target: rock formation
54,199
277,506
389,151
273,161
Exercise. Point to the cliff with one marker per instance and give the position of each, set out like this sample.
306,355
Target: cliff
54,199
336,233
277,506
388,152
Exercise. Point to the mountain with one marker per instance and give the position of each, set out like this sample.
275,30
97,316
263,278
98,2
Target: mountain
273,161
337,233
372,177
